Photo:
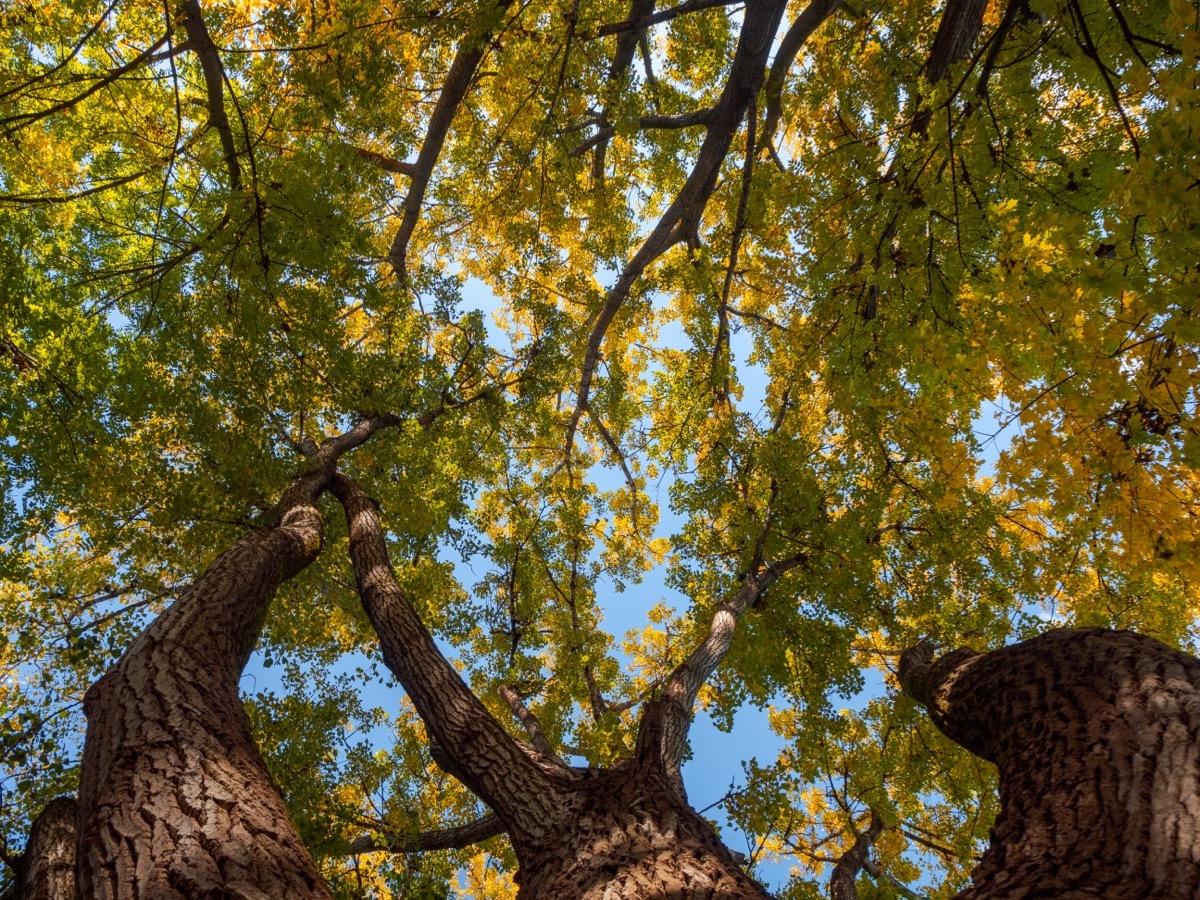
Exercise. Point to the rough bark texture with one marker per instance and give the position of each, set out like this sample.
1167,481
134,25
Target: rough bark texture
579,834
46,870
1097,738
624,833
175,800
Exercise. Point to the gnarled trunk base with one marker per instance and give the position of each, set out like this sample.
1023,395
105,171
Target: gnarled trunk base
627,834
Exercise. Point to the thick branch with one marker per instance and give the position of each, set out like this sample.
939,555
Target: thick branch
214,84
481,752
805,24
682,218
454,89
455,838
956,35
679,695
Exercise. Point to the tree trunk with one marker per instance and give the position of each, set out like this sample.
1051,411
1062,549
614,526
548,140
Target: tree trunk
1097,738
626,834
46,870
175,801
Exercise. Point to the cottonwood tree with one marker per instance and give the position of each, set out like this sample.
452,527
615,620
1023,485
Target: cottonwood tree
892,306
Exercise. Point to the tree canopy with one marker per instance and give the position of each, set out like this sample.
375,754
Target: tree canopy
888,310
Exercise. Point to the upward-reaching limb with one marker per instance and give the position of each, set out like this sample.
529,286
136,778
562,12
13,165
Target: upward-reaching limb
475,748
175,800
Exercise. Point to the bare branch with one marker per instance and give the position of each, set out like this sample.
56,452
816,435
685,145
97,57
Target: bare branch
528,721
38,200
805,24
623,463
679,120
735,243
679,695
878,874
16,123
74,52
682,218
637,22
1089,50
387,163
622,58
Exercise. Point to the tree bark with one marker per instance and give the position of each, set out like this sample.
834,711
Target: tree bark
625,833
46,870
175,801
1097,738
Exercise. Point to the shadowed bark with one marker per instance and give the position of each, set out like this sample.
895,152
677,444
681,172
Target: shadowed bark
46,870
175,801
621,833
1097,738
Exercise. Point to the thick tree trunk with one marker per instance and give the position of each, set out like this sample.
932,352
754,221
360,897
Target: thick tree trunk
46,870
625,833
175,801
1097,738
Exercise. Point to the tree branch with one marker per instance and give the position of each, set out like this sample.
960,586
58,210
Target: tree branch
841,883
683,686
481,752
214,83
801,29
16,123
638,22
454,89
682,218
529,722
455,838
622,58
387,163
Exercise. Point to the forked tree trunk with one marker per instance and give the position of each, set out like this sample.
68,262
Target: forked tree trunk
1097,738
46,870
175,801
622,833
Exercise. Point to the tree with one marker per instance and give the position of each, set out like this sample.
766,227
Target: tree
894,303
